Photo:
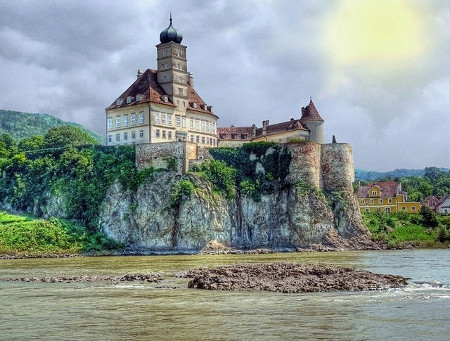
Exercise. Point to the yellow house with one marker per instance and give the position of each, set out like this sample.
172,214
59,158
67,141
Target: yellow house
385,196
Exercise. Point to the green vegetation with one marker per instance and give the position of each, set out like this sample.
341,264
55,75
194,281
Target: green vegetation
24,234
181,188
20,125
253,169
401,229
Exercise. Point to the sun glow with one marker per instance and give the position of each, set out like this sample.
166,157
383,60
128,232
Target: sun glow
375,30
379,38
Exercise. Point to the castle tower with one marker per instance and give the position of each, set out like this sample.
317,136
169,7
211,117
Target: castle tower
172,72
312,120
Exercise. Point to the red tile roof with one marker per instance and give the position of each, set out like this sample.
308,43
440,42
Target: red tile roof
388,189
282,127
310,113
242,133
148,86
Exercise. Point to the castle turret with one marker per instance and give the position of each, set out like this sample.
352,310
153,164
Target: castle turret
312,120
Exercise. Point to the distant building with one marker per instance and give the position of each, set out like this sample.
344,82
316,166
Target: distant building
162,105
385,196
443,207
308,128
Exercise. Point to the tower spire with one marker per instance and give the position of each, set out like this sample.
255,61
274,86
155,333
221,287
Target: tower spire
170,18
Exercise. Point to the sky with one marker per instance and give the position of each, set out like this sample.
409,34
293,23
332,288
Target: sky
377,70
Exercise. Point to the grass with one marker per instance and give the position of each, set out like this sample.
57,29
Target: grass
402,229
21,234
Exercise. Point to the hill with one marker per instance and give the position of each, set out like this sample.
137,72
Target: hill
367,175
21,124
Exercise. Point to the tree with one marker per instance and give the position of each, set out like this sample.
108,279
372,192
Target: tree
67,136
31,143
428,217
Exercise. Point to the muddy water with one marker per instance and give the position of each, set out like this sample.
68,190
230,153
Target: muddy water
169,311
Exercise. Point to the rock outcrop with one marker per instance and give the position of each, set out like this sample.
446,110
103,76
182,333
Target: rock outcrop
289,217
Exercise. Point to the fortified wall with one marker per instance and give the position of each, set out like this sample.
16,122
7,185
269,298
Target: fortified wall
327,166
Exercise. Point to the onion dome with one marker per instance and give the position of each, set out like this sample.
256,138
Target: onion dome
170,34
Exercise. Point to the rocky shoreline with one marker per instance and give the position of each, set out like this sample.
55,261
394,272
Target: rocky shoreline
288,277
148,278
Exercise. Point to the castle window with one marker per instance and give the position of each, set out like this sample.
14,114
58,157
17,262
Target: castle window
403,208
117,122
164,78
192,138
371,201
390,201
413,208
169,135
387,209
163,119
203,126
125,121
117,137
158,133
203,140
178,121
169,118
362,202
191,123
380,201
197,124
163,134
367,209
223,136
141,133
183,120
109,138
109,123
157,118
125,136
234,136
197,139
374,192
141,117
133,135
133,119
244,136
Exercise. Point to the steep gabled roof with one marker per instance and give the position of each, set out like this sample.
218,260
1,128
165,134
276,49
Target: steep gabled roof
282,127
388,189
310,113
146,85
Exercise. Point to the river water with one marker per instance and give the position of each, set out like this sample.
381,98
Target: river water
168,310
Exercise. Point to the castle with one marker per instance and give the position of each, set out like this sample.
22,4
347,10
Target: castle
162,106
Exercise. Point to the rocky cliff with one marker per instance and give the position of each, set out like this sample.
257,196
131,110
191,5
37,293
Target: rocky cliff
295,216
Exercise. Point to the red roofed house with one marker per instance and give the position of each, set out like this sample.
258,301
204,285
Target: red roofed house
308,128
386,196
162,105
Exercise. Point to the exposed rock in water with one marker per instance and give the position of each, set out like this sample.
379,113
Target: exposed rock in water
290,277
152,277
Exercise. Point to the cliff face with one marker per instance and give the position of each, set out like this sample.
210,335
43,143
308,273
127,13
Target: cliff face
290,217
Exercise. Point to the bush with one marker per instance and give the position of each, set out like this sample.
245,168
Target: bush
181,188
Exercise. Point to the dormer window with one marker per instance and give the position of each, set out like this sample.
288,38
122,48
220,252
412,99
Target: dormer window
139,97
119,101
130,99
165,98
204,106
194,105
223,136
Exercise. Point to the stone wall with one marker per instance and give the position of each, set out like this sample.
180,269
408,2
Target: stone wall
337,167
306,163
160,155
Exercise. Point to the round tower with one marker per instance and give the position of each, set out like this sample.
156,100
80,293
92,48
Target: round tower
312,120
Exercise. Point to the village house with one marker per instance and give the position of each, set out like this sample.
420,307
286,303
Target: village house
438,204
162,105
385,196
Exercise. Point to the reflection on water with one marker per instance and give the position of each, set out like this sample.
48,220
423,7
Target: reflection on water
169,311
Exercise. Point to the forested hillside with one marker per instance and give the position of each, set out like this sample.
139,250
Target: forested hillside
21,125
368,175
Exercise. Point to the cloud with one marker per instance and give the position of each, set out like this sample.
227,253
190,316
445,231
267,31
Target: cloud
252,60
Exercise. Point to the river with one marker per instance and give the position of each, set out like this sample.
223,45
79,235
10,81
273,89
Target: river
168,310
